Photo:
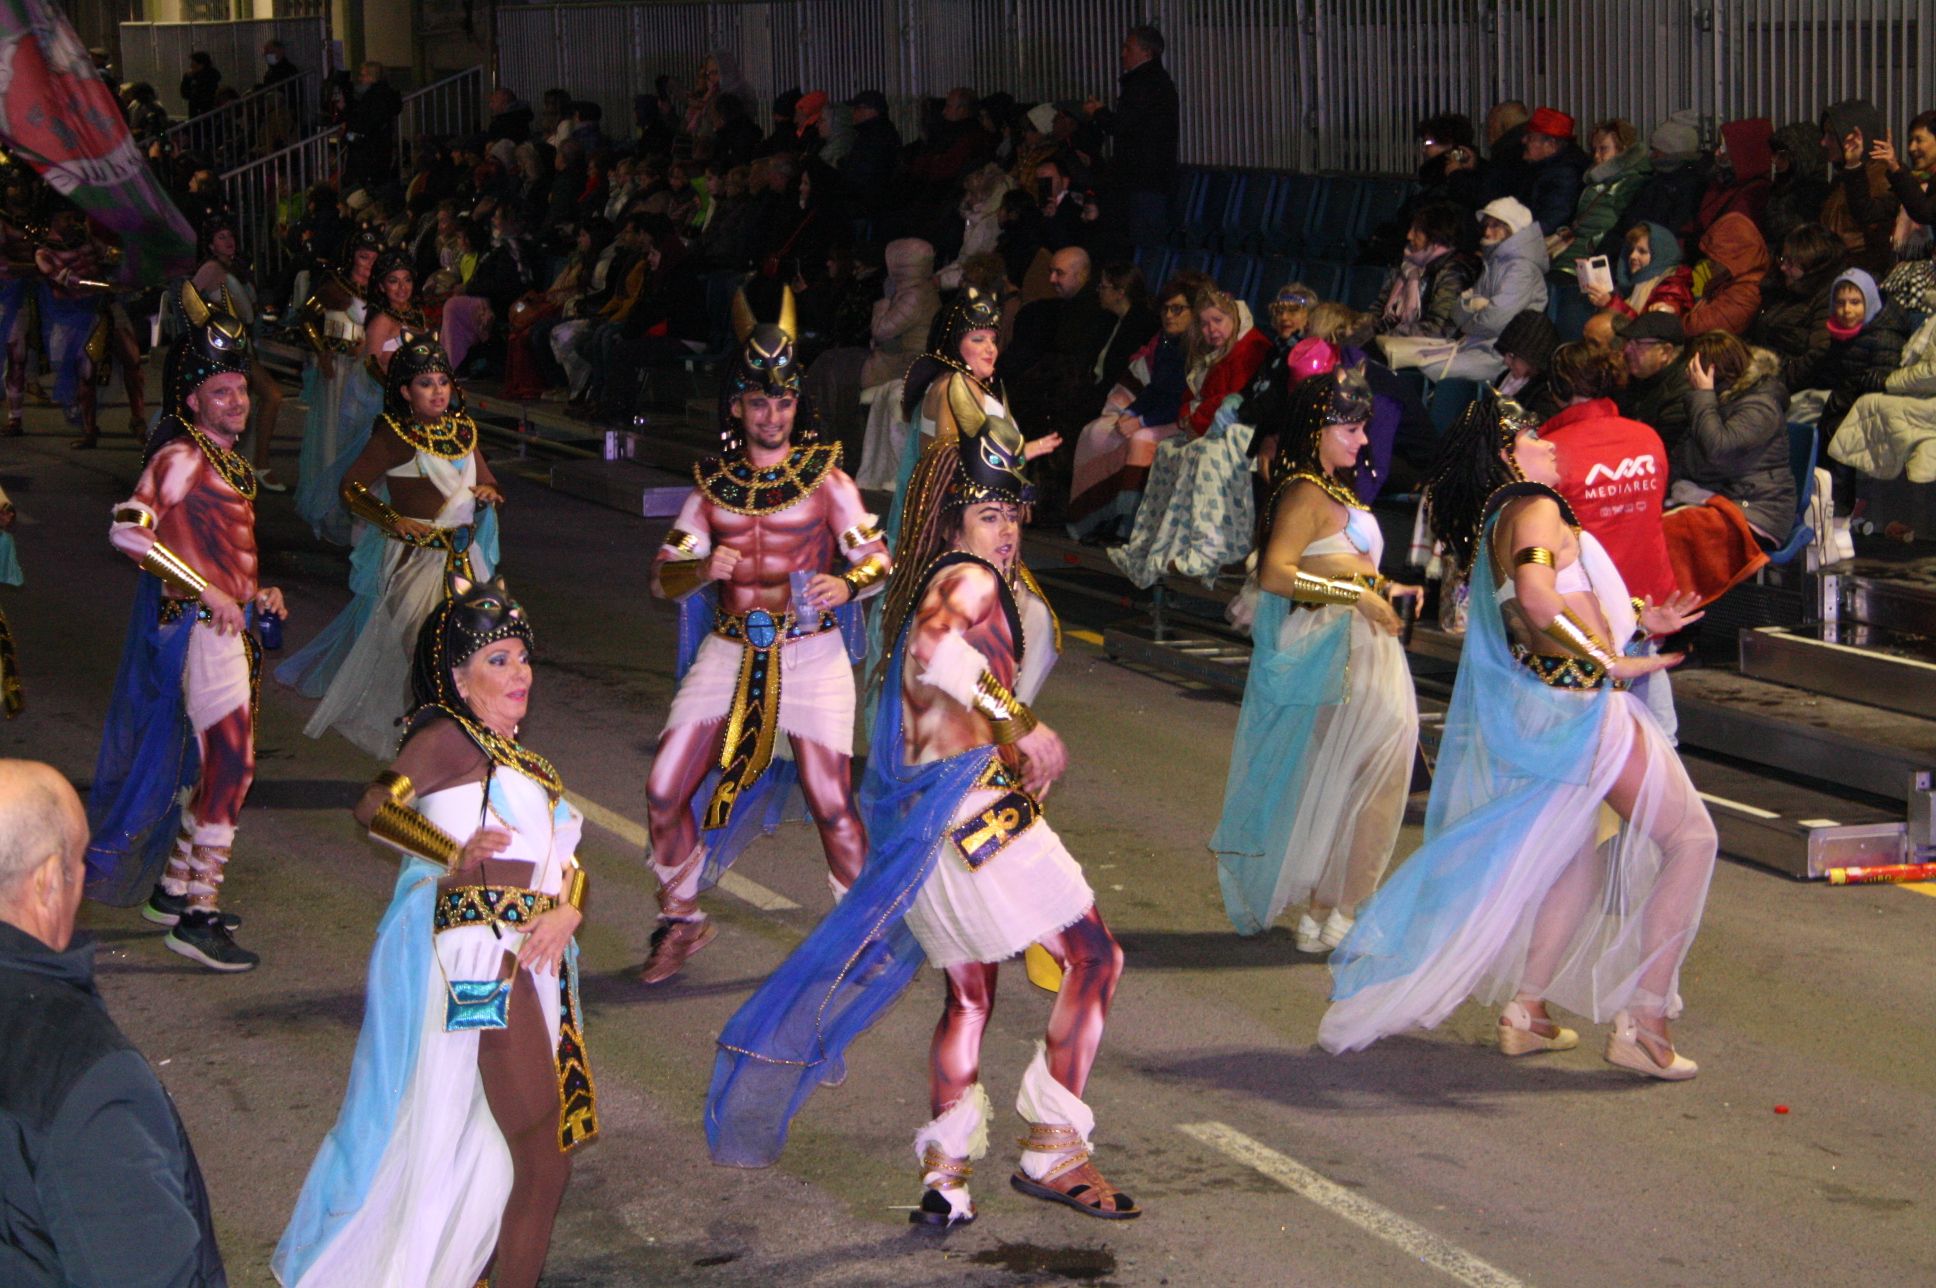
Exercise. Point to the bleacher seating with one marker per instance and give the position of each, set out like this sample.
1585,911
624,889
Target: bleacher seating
1255,230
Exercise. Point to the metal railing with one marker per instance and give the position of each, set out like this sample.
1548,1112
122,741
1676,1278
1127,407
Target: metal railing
267,195
449,108
1304,84
262,121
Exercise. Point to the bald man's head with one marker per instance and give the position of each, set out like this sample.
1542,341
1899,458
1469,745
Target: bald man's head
43,835
1069,271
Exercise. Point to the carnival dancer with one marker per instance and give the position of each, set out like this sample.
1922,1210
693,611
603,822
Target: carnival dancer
341,394
418,485
74,300
1566,856
183,712
952,382
12,697
18,267
1323,755
750,560
469,1088
961,869
224,268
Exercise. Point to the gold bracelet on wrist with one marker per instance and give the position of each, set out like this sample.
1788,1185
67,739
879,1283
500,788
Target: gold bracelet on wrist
859,535
135,515
869,572
680,577
577,882
367,506
1572,634
1309,589
683,542
414,834
1008,717
167,565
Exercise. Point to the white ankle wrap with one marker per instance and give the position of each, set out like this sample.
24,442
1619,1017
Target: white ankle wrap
1044,1100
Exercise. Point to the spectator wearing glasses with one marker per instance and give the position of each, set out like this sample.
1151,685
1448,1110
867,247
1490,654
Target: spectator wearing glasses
1656,390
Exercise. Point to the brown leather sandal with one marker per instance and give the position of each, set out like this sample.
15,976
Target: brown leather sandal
1073,1181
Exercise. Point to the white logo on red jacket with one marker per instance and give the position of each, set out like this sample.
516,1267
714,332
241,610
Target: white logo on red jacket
1631,468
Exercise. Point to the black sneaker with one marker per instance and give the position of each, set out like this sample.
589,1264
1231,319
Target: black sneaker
201,936
166,909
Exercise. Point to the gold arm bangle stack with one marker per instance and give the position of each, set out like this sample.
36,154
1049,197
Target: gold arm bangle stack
1010,718
397,787
680,577
176,575
683,542
1309,589
412,833
859,535
866,574
369,507
577,883
1572,634
134,514
1534,555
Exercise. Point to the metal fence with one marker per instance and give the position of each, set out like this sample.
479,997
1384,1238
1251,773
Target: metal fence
266,193
1301,84
262,121
157,52
445,109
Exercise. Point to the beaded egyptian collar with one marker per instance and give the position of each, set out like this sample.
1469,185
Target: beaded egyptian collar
733,484
1332,488
229,463
510,753
412,318
451,437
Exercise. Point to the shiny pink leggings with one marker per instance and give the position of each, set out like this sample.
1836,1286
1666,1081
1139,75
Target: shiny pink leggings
1091,964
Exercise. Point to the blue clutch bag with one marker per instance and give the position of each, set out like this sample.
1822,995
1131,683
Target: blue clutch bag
477,1004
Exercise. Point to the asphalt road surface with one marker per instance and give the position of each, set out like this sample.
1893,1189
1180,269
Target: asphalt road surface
1428,1160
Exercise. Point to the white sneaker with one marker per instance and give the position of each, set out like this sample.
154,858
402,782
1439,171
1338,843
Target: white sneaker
1310,935
1336,927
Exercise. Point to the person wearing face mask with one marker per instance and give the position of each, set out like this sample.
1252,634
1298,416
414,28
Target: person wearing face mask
421,487
470,1088
962,870
276,69
1551,775
185,696
1323,754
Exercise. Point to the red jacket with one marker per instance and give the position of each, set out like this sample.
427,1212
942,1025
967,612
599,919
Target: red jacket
1613,472
1230,376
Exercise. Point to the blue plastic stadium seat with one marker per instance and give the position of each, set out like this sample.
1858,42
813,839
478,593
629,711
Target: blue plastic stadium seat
1284,226
1378,200
1801,459
1361,285
1197,261
1156,263
1206,223
1329,230
1248,217
1326,277
1240,275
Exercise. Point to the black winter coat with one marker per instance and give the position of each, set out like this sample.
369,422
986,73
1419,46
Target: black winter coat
1860,365
1145,128
1551,188
1793,322
1670,197
1737,444
98,1183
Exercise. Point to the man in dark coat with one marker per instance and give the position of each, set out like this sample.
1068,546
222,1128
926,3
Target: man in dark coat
370,130
1554,170
1656,392
736,140
1144,125
511,117
98,1183
870,164
199,83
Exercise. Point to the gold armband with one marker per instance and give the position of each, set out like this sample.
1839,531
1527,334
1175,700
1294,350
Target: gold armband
1639,605
1534,555
176,575
683,542
680,577
1309,589
859,535
311,316
1010,719
576,884
397,787
412,833
369,507
134,514
1568,631
871,571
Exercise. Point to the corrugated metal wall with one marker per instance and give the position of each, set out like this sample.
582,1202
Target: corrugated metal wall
157,52
1305,84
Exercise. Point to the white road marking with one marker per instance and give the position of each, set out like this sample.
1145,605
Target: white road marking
1752,811
634,834
1413,1240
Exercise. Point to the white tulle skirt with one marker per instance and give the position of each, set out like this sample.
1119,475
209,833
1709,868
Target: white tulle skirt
371,690
1585,910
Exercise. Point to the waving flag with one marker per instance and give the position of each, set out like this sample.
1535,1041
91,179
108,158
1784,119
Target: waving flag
58,117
